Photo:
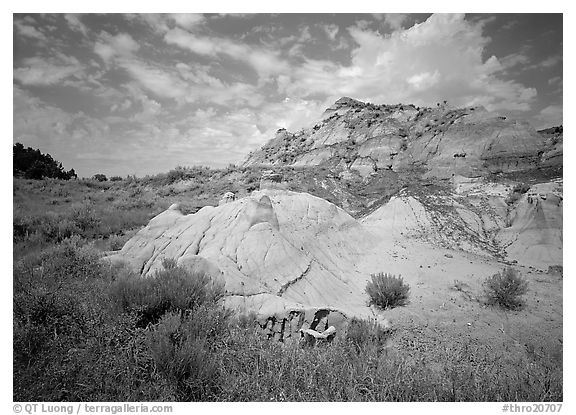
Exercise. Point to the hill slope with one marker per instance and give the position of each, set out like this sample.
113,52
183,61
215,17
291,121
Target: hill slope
443,141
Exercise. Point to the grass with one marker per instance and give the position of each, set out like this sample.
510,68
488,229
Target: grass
86,331
78,335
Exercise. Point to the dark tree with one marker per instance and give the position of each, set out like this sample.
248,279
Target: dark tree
32,164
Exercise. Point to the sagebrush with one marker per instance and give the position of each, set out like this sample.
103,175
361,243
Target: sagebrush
506,289
387,291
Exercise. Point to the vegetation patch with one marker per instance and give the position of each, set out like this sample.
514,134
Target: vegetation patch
387,291
506,289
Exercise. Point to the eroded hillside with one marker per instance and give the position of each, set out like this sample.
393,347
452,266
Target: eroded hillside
443,141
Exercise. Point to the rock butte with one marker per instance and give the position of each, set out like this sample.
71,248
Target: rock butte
442,140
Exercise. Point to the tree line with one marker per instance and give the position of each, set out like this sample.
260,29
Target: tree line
32,164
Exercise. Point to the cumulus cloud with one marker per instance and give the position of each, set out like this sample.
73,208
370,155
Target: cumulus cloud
439,59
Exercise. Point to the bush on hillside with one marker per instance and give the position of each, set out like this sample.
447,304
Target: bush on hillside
172,289
183,349
505,289
366,333
387,291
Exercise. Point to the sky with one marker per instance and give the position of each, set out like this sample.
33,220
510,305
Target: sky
143,93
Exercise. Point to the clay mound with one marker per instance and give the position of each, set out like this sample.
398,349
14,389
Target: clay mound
445,221
290,257
476,218
534,236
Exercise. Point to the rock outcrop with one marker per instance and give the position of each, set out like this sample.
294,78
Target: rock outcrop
444,141
290,257
479,217
227,198
534,234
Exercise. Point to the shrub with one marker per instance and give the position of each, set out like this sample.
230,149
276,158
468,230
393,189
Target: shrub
173,289
116,242
115,179
100,177
505,289
184,350
85,218
366,333
387,291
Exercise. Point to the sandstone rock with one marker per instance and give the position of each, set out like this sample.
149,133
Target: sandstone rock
312,336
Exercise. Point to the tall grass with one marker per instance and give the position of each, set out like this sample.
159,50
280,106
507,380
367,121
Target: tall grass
78,335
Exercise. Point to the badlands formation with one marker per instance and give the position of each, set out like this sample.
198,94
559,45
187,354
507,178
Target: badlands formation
297,261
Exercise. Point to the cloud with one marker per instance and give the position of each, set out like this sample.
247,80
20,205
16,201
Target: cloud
108,46
63,134
29,31
395,20
513,60
264,62
550,116
331,30
186,84
187,20
76,24
549,62
48,71
158,81
438,59
157,22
